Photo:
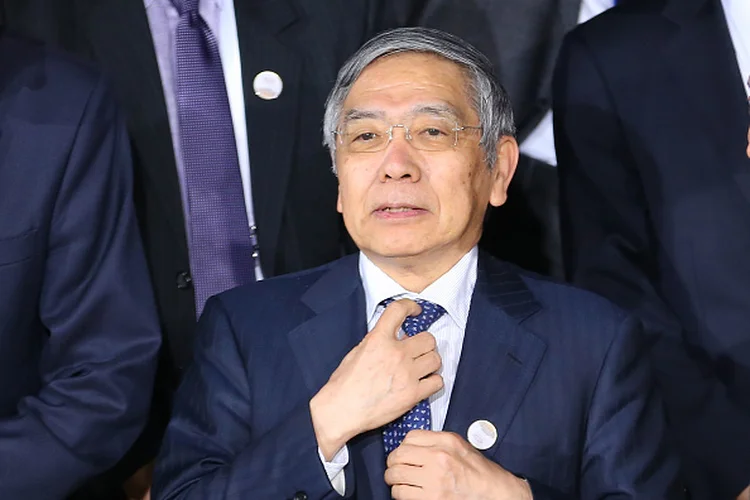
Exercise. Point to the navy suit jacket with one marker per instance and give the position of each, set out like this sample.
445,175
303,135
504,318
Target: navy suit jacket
78,328
651,124
558,371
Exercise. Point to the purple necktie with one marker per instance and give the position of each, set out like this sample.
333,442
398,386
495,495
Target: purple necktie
419,417
221,249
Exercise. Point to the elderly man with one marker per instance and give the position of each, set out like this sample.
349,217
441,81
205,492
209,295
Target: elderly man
326,383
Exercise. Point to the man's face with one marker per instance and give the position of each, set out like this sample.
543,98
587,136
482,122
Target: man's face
402,203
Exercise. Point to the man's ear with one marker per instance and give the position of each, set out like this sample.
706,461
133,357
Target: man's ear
503,170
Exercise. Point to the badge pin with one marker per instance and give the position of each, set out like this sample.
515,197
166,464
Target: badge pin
482,434
267,85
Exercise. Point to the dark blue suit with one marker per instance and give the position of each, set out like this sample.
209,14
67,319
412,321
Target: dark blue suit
651,121
78,329
555,369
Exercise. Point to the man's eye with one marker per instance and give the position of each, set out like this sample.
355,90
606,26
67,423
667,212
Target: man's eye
433,132
365,137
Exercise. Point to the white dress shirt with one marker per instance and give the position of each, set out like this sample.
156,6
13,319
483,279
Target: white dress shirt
737,14
453,291
163,19
540,144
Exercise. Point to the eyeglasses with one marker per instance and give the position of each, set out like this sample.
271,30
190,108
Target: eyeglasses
425,133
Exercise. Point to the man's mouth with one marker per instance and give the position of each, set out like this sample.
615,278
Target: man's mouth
398,209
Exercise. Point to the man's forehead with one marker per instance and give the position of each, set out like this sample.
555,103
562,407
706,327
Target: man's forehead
438,109
443,87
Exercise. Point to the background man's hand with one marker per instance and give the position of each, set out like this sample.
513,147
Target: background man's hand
138,486
377,382
745,495
429,465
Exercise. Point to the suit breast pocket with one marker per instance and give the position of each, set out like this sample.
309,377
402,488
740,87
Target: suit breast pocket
17,248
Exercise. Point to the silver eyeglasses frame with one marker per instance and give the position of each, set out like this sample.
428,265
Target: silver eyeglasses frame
407,135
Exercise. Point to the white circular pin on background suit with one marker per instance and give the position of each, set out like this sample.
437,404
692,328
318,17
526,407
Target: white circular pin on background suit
482,434
267,85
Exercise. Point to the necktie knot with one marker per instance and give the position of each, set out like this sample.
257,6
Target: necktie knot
186,6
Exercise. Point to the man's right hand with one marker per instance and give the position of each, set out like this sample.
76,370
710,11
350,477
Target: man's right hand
378,381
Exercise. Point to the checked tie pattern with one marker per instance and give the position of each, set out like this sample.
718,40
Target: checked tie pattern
221,249
420,416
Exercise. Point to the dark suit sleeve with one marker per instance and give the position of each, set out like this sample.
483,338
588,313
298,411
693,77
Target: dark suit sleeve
609,247
98,362
209,449
627,453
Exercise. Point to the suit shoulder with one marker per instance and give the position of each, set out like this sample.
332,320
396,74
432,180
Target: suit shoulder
285,287
572,319
45,70
561,297
635,23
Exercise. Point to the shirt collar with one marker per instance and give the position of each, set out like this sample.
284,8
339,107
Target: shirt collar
453,290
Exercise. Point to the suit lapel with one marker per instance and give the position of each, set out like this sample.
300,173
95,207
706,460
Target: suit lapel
499,357
568,11
270,123
122,45
338,302
701,56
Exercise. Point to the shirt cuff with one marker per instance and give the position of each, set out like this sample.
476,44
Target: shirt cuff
335,469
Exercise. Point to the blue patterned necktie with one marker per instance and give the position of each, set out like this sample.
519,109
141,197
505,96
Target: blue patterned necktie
221,250
419,417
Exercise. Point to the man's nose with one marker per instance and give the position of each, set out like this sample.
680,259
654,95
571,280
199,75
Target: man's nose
400,161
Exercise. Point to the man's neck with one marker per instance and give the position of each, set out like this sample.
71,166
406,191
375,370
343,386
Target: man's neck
415,273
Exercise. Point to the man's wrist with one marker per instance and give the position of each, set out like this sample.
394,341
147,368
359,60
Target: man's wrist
516,486
525,492
523,488
326,424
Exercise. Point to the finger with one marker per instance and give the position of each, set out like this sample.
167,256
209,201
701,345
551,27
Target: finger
402,474
426,364
421,438
407,492
428,386
395,314
420,344
408,454
435,439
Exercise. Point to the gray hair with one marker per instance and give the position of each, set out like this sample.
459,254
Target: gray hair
490,100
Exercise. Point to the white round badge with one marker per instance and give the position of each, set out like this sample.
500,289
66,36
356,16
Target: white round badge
482,434
268,85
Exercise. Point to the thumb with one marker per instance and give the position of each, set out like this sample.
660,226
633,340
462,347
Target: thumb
394,315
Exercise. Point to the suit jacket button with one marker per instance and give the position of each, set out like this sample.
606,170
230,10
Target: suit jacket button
300,495
184,280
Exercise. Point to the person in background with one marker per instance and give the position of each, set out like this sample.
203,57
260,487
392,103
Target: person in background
650,117
502,385
79,334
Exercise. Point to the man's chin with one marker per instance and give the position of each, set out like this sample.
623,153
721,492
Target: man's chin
394,252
